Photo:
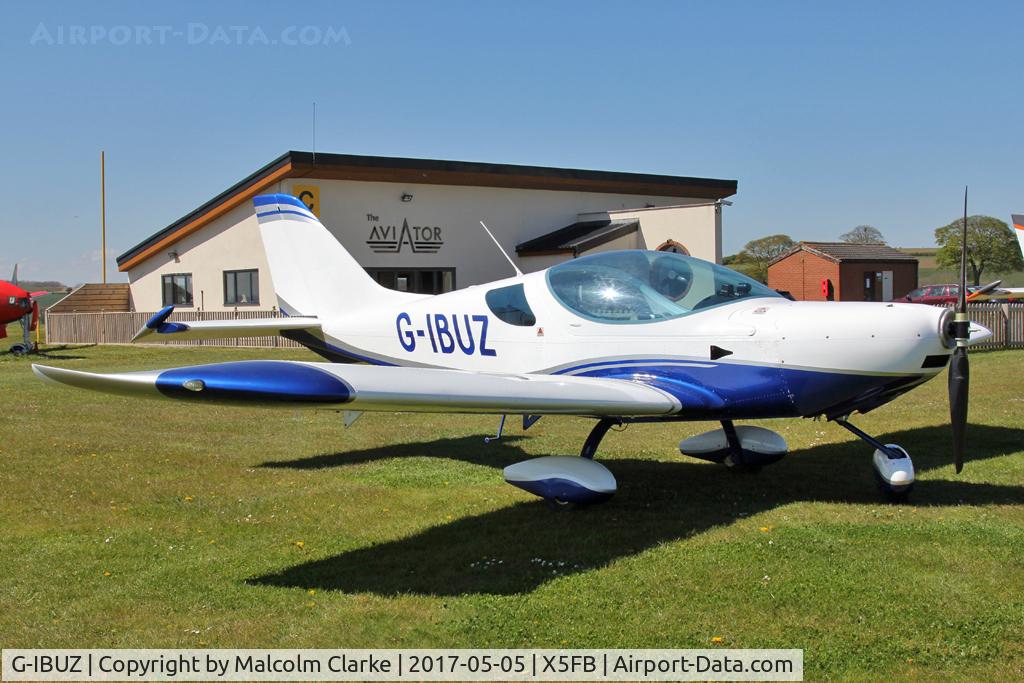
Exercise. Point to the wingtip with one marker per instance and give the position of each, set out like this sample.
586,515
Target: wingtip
44,372
144,331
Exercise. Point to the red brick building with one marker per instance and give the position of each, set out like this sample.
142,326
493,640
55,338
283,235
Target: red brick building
838,271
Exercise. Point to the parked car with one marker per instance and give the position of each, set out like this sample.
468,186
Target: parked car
935,294
948,294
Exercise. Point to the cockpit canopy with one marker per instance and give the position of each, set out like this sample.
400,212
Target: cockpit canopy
646,286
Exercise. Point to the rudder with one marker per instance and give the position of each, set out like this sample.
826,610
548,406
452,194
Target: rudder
313,274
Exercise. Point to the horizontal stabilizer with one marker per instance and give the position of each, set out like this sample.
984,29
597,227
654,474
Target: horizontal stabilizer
158,329
364,387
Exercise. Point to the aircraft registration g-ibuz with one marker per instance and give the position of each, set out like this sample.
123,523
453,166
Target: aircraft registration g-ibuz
620,337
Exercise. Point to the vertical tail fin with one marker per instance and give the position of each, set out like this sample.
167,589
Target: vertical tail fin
313,274
14,278
1018,227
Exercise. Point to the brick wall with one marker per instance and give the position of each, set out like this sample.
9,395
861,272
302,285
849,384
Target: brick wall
801,274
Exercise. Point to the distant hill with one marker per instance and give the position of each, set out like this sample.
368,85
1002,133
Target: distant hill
41,285
930,274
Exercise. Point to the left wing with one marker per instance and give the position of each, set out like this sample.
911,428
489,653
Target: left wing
366,387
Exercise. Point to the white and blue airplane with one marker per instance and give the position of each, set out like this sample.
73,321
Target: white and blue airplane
620,337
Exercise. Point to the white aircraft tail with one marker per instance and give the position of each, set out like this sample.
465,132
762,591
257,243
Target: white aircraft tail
313,274
1018,227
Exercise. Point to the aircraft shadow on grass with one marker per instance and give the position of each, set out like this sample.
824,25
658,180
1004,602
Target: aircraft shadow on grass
54,353
658,502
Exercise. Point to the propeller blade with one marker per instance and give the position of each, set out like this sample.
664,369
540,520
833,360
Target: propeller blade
961,304
959,380
959,369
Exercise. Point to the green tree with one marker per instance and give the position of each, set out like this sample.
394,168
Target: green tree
760,252
863,234
991,246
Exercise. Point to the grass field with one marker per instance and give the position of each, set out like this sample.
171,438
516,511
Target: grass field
128,523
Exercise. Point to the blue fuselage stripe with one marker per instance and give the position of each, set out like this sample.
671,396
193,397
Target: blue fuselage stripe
739,391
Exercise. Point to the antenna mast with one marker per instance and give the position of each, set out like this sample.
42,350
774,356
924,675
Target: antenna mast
501,249
103,214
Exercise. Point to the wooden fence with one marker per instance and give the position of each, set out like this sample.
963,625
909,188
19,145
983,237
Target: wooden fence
1005,320
119,328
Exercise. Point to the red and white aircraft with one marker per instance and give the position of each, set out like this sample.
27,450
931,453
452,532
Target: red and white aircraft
16,304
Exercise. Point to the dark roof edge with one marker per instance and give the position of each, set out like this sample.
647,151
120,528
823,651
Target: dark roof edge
810,247
508,169
308,159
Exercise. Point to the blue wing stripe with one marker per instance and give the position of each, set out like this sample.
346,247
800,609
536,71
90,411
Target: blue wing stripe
259,380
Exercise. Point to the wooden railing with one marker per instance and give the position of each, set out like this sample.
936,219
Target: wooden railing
119,328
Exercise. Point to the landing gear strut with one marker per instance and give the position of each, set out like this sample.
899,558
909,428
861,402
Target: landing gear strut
596,434
742,449
735,460
26,346
894,470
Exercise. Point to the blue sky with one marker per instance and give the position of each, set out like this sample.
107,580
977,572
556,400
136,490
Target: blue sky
829,114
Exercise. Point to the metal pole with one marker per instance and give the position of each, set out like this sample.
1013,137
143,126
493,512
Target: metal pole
103,214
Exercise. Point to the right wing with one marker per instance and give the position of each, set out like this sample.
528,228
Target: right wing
365,387
219,329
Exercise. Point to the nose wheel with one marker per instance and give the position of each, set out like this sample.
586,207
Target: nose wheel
894,470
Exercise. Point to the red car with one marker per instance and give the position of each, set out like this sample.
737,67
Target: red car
935,294
947,294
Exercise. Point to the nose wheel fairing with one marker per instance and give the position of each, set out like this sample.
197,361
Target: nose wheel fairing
894,470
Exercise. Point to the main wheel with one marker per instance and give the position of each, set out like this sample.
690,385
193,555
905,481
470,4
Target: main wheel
891,495
559,505
741,467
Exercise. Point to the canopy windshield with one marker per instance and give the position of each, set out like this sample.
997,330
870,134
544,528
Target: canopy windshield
647,286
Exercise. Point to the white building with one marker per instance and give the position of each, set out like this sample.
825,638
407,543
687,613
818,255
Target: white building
414,225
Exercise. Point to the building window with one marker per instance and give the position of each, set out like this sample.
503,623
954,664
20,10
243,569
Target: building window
241,287
415,280
509,305
177,289
674,247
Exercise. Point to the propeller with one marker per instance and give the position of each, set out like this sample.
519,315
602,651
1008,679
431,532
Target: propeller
959,370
